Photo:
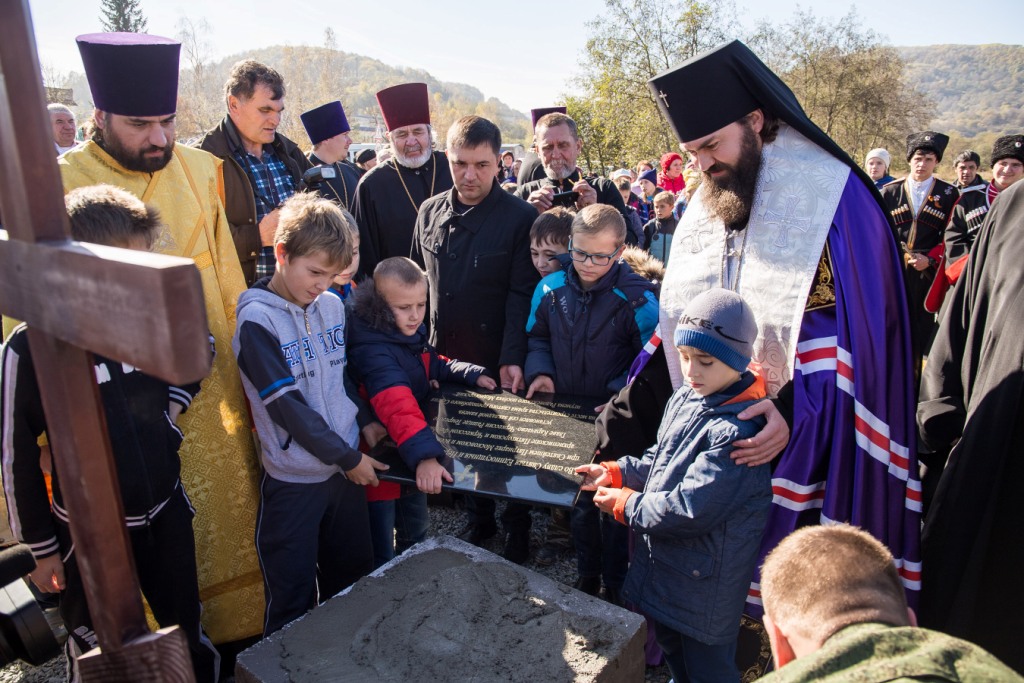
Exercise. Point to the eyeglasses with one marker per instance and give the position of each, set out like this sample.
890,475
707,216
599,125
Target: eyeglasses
596,259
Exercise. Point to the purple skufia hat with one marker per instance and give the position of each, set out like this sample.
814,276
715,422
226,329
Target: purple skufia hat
131,74
538,114
325,122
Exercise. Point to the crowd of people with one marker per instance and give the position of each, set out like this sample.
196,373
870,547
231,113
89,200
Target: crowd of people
756,311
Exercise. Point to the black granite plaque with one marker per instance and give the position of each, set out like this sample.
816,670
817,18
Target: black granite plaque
501,445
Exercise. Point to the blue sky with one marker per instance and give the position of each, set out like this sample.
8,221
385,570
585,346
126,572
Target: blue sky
485,43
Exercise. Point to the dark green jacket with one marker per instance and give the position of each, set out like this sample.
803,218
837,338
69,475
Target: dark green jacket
877,653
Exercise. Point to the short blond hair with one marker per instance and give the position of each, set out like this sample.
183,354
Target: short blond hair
310,224
821,579
598,218
665,198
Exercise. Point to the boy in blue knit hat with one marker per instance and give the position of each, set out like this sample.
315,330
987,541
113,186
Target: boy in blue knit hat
698,516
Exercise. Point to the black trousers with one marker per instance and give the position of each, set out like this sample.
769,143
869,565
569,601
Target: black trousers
515,517
313,541
165,559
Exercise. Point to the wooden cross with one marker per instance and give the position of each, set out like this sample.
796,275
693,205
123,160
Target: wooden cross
138,308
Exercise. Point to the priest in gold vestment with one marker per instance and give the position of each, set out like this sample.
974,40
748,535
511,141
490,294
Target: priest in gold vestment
134,91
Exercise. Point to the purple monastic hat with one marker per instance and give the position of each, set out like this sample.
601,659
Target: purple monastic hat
132,74
536,114
325,122
404,105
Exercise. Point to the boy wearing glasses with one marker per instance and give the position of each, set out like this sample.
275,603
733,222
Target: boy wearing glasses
586,325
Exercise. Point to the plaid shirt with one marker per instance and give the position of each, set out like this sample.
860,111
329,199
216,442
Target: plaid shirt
271,185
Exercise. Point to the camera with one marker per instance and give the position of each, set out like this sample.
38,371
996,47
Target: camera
25,632
317,175
566,199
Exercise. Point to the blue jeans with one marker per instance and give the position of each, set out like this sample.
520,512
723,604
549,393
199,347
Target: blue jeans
691,661
602,544
402,522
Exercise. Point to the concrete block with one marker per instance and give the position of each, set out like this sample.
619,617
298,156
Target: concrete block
448,611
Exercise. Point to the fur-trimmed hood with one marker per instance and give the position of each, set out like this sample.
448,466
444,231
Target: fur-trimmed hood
371,318
644,264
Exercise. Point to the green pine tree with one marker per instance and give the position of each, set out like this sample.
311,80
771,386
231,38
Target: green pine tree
122,15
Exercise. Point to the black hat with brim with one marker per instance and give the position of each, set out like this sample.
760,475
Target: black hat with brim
720,86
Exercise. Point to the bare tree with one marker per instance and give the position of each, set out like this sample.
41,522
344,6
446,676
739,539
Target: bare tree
199,107
630,43
850,84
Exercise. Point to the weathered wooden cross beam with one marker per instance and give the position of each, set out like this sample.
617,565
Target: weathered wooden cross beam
77,300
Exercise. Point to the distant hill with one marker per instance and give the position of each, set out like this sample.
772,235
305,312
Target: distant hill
316,75
977,89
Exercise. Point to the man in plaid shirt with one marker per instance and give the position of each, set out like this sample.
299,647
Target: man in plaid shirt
262,167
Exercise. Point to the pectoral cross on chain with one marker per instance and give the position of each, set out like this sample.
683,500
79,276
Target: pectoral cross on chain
786,221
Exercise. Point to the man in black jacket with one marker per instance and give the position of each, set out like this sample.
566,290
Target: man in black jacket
262,168
474,243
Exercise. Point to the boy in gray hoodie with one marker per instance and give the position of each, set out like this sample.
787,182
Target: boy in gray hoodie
312,530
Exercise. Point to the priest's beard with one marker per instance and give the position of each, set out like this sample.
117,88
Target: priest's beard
415,161
133,160
731,196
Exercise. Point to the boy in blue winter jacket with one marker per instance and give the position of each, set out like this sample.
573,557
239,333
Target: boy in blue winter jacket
699,516
396,366
587,324
312,530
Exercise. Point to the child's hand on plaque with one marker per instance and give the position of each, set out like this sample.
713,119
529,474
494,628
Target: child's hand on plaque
593,476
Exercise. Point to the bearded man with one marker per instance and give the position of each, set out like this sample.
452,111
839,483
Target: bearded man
134,83
390,194
814,256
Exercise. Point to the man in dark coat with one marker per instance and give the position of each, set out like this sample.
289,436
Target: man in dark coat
972,390
921,206
559,146
967,164
390,194
262,168
327,127
474,243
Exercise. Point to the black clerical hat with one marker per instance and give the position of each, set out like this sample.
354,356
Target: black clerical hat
1008,147
325,122
708,92
132,74
718,87
537,114
927,141
404,105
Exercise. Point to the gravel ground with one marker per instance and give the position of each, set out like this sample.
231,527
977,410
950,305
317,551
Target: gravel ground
443,520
